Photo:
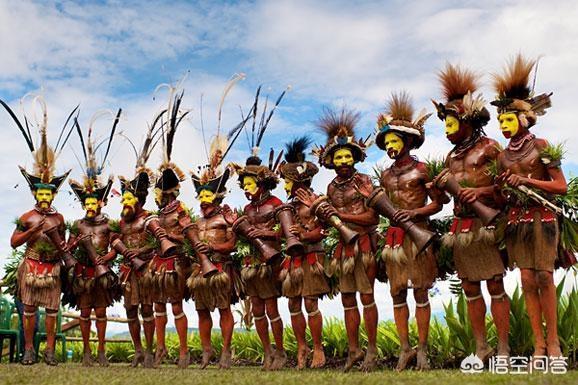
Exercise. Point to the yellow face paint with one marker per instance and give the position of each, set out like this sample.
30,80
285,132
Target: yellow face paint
288,186
452,125
250,185
91,207
509,124
393,144
158,196
129,202
206,196
343,157
44,197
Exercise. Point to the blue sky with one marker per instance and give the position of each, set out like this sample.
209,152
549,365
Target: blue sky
111,54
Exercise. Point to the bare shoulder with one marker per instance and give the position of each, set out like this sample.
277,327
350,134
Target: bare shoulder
491,147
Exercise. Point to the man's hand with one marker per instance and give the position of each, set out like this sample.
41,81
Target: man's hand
99,260
327,211
361,186
230,215
202,248
305,196
37,226
468,195
257,233
131,254
515,180
404,215
295,229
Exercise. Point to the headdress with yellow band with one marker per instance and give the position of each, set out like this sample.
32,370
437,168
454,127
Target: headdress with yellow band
515,95
91,186
398,117
44,155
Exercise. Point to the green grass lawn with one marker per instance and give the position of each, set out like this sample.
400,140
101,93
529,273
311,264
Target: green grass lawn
121,374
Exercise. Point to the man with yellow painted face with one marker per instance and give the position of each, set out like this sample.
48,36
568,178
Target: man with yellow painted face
215,239
475,250
353,263
532,235
405,184
261,277
94,284
303,276
89,240
42,231
134,244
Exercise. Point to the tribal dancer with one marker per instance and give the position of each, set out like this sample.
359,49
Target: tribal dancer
42,230
353,260
171,267
137,248
303,276
93,283
475,252
260,274
214,279
405,184
532,233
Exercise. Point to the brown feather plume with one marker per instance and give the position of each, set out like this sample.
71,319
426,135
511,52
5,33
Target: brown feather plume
400,106
342,123
514,82
457,81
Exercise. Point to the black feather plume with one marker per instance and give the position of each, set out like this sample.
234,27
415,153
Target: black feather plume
295,150
27,137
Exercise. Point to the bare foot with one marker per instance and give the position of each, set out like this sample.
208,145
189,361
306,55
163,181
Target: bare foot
279,359
484,352
148,360
318,360
302,354
29,357
183,362
353,357
50,358
87,359
137,359
405,356
206,358
225,361
370,361
267,360
422,361
102,360
503,350
160,355
554,350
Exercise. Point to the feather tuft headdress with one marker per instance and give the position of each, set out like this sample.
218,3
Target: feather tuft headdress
399,117
295,167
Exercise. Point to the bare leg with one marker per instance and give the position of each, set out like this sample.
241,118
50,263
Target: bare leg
227,324
500,313
160,328
262,327
352,321
149,333
401,317
316,326
549,302
532,297
85,332
279,357
134,330
477,313
29,325
181,324
101,334
205,326
299,329
49,356
422,315
370,320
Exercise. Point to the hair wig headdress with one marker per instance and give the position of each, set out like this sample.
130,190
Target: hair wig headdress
399,117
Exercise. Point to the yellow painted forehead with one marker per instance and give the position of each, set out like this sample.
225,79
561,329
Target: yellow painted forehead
343,152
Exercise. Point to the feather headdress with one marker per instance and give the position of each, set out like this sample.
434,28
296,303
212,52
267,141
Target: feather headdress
340,130
295,167
44,155
91,186
514,93
169,174
399,117
265,175
210,176
459,87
